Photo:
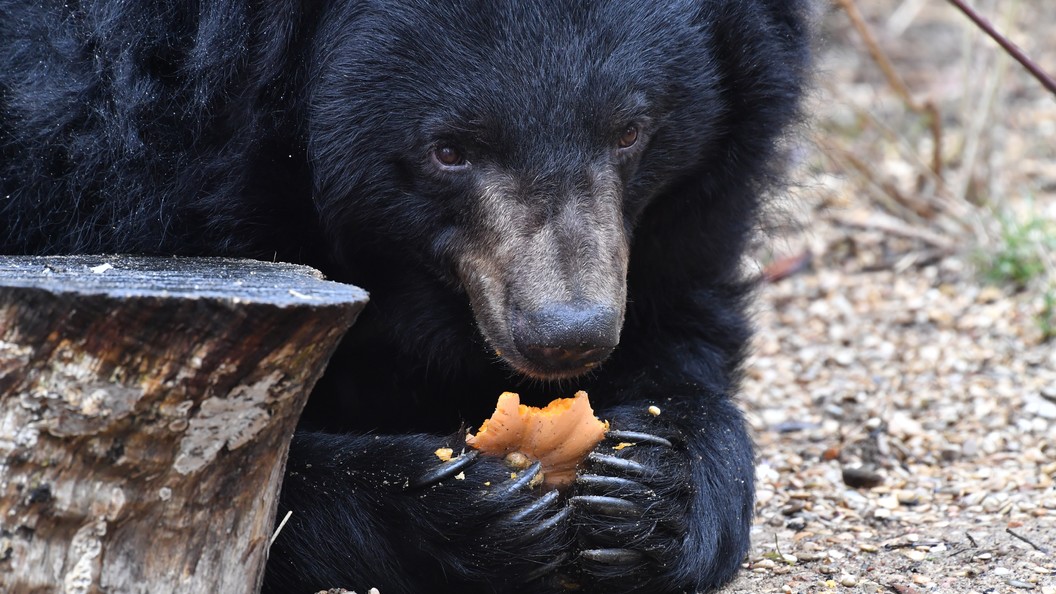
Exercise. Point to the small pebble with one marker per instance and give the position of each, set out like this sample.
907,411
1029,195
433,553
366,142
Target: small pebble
921,579
907,497
861,478
889,502
915,555
868,587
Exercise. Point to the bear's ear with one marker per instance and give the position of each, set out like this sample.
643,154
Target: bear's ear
762,50
779,31
793,21
761,53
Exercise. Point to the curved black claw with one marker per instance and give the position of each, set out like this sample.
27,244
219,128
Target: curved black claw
611,484
609,506
637,437
548,524
618,464
445,470
538,516
523,480
529,512
536,531
613,556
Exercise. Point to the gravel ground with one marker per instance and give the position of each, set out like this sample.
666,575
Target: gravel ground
933,387
904,409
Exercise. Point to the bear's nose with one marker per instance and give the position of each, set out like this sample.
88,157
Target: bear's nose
566,337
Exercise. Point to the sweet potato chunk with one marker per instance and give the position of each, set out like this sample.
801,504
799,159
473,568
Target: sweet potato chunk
559,435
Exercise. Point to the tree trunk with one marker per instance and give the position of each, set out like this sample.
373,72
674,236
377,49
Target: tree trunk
146,409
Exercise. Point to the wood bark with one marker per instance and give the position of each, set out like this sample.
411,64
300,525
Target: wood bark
146,409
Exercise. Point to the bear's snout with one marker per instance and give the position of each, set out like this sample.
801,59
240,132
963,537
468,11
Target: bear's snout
546,269
566,338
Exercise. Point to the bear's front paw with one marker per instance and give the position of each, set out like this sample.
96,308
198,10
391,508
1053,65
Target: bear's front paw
631,511
518,531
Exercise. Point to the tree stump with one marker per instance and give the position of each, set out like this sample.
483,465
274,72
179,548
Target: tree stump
146,410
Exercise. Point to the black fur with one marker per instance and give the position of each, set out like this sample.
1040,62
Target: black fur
303,132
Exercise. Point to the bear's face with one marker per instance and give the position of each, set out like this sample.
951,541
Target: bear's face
516,161
543,253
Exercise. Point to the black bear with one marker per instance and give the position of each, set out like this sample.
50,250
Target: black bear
541,196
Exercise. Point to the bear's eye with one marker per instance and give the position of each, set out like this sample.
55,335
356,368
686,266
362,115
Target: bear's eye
449,156
629,137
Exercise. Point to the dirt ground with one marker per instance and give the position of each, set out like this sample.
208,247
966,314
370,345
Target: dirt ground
904,407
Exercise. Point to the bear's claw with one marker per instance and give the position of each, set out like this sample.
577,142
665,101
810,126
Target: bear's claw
608,506
521,481
444,470
552,523
618,464
625,529
636,437
610,484
526,513
541,514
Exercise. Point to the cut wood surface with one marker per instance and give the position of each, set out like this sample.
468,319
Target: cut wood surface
146,408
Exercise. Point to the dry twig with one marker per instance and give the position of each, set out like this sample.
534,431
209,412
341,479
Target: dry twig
1043,77
894,226
926,108
1024,539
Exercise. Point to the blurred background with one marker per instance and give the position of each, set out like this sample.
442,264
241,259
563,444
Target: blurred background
952,148
902,387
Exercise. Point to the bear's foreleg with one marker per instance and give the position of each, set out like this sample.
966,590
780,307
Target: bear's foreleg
382,511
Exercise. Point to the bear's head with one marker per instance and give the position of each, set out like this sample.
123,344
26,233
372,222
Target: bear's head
514,147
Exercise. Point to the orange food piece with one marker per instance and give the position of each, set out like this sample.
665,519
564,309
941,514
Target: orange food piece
559,435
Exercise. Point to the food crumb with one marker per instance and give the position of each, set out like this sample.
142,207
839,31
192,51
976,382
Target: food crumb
444,454
517,461
654,410
621,445
536,480
460,476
